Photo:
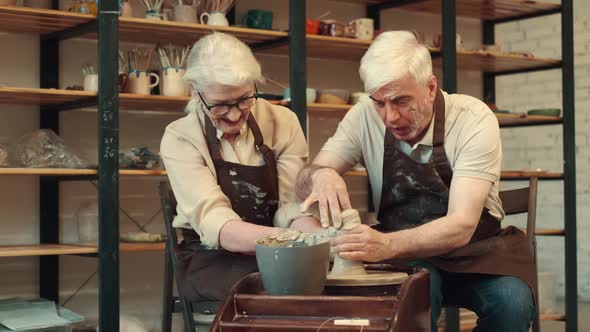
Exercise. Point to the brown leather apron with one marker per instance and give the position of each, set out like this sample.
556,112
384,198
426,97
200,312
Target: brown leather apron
253,191
414,194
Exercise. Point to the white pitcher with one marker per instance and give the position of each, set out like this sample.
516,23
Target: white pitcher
214,18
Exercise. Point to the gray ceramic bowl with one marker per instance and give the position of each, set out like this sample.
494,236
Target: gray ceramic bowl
295,270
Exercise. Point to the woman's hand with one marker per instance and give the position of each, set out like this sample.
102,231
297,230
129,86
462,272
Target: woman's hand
365,244
329,190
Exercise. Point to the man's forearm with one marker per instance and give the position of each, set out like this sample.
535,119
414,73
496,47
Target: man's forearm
435,238
304,183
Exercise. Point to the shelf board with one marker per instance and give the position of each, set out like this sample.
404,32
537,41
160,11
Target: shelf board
45,249
53,97
155,103
141,247
550,232
483,9
525,175
497,63
516,120
77,172
42,97
153,31
73,249
41,21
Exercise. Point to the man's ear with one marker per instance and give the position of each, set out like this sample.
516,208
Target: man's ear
432,86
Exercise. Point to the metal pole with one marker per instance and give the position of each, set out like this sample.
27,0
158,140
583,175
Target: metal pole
449,60
449,50
48,186
108,166
489,79
298,60
569,165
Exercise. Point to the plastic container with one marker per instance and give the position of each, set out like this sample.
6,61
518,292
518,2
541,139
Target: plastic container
294,270
87,220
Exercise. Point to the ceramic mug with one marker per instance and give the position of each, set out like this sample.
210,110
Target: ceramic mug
91,82
363,28
258,19
214,18
183,13
172,83
138,82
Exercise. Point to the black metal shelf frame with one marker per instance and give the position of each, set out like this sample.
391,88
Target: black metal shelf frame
106,25
449,57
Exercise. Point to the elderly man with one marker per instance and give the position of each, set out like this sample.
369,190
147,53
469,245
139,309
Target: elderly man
433,160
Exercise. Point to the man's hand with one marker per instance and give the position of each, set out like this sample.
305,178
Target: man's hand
365,244
329,190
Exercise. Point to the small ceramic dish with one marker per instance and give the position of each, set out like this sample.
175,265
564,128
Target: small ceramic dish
333,96
545,111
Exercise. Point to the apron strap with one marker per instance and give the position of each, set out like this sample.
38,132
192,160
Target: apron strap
259,141
213,142
439,156
267,153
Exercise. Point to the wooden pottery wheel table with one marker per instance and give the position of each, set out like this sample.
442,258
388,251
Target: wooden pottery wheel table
394,307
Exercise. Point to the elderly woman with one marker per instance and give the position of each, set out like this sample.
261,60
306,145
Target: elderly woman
232,163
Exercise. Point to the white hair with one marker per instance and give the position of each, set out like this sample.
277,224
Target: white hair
393,55
219,58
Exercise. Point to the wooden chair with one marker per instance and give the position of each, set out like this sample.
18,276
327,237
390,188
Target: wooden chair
517,201
524,200
176,304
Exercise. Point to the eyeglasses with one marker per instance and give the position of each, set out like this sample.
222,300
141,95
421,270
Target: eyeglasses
223,108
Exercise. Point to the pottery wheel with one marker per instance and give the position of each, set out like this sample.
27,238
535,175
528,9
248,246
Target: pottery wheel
372,278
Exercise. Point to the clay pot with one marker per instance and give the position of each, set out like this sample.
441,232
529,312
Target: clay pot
294,271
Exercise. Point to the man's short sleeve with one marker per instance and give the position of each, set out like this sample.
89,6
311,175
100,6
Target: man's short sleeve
479,150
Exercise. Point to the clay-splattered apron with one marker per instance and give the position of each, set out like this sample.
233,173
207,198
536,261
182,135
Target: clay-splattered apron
414,194
253,192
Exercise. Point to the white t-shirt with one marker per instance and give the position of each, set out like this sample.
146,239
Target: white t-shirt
472,144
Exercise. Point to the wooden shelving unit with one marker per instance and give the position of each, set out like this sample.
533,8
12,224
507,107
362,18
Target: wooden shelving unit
127,101
48,22
19,19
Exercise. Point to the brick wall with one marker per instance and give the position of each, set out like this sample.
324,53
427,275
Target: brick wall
541,147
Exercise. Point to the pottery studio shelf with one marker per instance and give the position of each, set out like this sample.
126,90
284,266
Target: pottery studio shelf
489,10
72,249
44,21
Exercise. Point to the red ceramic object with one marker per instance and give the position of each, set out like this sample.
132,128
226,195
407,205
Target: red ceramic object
312,27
